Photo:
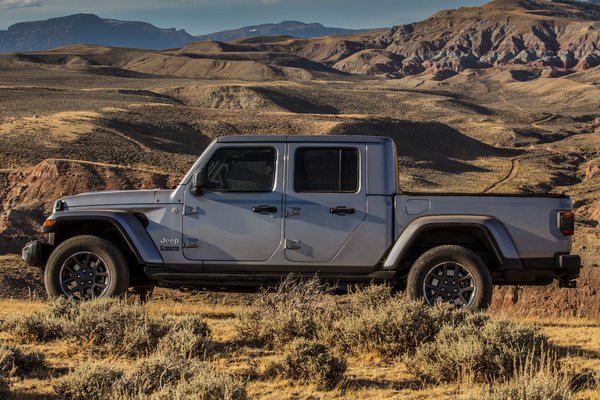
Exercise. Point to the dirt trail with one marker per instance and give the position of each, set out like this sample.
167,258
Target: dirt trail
514,170
535,124
504,99
106,165
142,146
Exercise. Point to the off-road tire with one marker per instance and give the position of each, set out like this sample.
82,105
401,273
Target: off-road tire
112,257
424,267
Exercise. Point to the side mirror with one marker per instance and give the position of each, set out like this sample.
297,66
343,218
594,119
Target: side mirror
199,180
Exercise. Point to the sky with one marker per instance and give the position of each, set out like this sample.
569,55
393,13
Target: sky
205,16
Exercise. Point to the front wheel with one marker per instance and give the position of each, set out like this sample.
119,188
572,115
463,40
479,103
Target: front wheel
451,274
86,267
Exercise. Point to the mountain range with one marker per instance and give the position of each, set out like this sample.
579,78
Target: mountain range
559,37
91,29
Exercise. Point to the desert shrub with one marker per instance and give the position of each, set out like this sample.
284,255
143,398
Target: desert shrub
308,361
15,361
152,374
188,337
537,379
206,384
370,296
294,310
391,329
88,381
35,327
4,388
478,349
62,308
448,314
112,326
543,386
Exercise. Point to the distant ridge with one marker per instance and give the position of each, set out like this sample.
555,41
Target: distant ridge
286,28
91,29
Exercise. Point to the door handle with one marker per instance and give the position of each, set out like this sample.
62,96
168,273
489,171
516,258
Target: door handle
264,209
342,210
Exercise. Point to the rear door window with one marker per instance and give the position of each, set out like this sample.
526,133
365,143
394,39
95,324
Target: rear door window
326,170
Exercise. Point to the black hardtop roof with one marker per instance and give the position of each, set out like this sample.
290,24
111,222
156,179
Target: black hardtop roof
304,138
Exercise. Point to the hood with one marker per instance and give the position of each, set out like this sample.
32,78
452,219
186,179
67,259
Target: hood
111,198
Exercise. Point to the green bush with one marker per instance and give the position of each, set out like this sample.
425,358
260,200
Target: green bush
206,384
15,361
478,349
294,310
310,362
189,337
88,381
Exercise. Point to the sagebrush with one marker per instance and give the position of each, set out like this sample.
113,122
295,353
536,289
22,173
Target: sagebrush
113,327
309,361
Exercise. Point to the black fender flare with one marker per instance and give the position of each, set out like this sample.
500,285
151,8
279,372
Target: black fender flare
504,248
128,225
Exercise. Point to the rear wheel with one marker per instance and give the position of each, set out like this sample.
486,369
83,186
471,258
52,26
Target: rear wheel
86,267
451,274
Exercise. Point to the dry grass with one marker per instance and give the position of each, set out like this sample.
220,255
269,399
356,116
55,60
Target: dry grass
368,376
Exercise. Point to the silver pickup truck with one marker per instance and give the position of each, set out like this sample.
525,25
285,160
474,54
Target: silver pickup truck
255,208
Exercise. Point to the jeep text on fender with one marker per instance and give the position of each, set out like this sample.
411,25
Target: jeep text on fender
255,208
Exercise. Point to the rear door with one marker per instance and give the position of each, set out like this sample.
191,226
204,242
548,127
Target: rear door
325,199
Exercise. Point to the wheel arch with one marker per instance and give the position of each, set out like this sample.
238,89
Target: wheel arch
428,232
124,229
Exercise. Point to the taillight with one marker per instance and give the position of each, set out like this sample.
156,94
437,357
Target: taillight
566,222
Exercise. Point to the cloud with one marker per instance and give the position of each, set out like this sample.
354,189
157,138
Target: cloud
268,2
19,3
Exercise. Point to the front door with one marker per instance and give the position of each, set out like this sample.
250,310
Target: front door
325,199
238,217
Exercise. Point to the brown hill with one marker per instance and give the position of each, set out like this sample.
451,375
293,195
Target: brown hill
203,60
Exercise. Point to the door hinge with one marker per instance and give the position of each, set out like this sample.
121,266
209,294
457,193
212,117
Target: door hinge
190,210
292,211
190,243
292,244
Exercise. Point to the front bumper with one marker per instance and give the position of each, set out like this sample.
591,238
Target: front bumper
35,253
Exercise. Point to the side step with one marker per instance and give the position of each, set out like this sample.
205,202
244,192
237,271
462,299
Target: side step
207,279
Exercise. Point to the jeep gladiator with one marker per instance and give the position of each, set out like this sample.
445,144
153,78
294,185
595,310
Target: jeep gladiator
253,209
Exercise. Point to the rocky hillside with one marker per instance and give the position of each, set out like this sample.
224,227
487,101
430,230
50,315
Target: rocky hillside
538,33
